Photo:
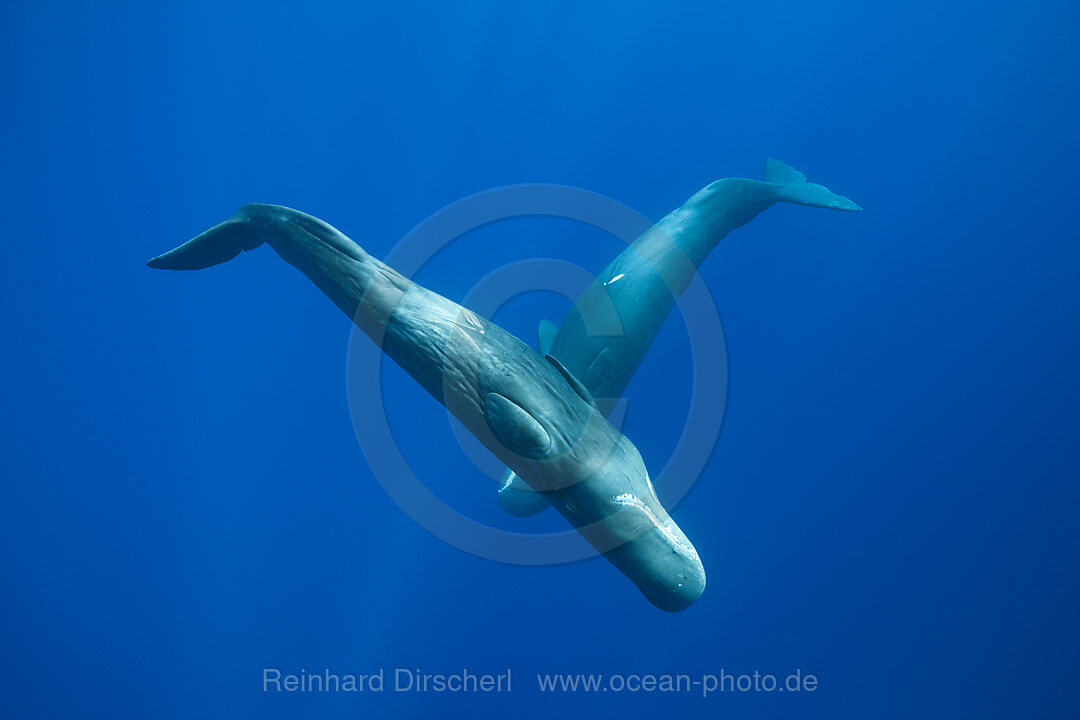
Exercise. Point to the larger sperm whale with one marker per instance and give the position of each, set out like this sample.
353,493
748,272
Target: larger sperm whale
532,413
608,332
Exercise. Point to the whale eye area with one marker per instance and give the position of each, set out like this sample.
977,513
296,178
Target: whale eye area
514,427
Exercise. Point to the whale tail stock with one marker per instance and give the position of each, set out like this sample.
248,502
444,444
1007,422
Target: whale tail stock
793,188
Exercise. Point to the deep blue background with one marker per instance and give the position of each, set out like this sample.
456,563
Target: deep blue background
892,505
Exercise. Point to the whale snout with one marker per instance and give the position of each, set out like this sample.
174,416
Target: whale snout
681,583
659,559
620,515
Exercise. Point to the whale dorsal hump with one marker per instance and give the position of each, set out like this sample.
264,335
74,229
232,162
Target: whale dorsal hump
515,428
573,381
545,336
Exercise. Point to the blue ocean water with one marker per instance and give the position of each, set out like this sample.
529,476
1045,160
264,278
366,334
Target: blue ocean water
892,505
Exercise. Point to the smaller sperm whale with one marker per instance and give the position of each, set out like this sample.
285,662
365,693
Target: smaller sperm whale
527,409
609,330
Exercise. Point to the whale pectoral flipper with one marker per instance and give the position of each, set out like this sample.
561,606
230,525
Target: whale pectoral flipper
545,336
576,384
514,427
518,498
795,189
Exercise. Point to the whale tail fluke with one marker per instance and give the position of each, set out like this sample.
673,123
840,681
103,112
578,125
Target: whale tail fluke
794,188
216,245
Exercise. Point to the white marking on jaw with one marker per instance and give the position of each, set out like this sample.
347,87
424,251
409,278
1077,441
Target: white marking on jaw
665,528
648,481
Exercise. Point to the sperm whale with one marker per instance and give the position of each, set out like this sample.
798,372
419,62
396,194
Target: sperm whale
527,409
608,332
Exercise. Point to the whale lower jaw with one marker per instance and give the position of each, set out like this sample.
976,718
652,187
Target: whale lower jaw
638,537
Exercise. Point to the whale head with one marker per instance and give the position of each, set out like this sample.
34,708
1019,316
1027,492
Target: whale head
615,508
562,446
